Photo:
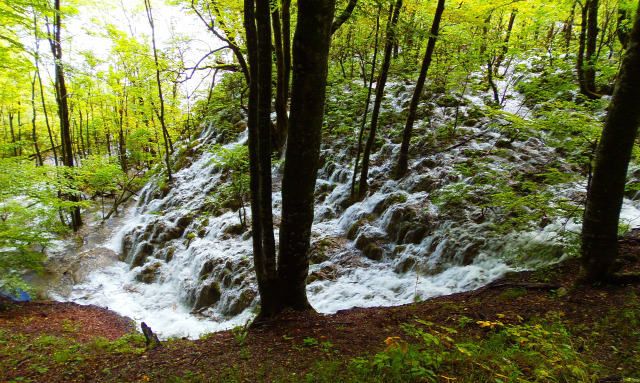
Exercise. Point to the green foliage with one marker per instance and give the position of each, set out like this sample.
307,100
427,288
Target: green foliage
221,109
29,208
234,192
510,352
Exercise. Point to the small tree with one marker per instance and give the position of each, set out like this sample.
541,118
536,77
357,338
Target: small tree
28,220
235,162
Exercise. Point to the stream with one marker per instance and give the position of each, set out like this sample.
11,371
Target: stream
185,270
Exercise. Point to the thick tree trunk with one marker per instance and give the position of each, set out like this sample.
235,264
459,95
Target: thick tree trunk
604,200
310,68
254,157
269,301
401,166
382,79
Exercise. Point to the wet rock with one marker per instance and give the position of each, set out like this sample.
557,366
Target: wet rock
423,184
234,230
504,144
373,252
172,233
391,199
404,265
184,221
127,245
367,243
89,261
355,228
150,273
144,250
398,219
238,305
208,295
416,233
470,252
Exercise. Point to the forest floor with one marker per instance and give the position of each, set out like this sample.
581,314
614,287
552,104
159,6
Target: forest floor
527,326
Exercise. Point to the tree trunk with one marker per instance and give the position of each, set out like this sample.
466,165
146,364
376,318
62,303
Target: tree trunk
286,45
168,147
254,157
310,68
591,45
265,261
403,159
582,78
604,200
366,107
344,16
568,27
505,46
63,108
382,79
282,120
33,122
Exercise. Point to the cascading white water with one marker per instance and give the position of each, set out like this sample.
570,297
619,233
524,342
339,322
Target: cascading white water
187,273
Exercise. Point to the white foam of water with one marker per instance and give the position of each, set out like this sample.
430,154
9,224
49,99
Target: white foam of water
379,286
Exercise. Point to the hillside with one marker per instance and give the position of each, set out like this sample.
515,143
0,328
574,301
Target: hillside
527,326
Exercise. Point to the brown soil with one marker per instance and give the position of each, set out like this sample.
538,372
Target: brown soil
279,351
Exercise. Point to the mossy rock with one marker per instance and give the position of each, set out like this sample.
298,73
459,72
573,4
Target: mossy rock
171,234
353,230
391,199
475,112
373,252
144,251
236,229
184,221
170,253
398,249
405,265
424,184
504,144
416,233
240,304
150,273
209,295
449,101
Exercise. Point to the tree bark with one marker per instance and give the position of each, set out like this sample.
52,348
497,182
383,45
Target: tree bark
63,108
282,120
403,159
382,79
344,16
366,107
269,293
582,77
310,68
591,45
604,200
168,147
